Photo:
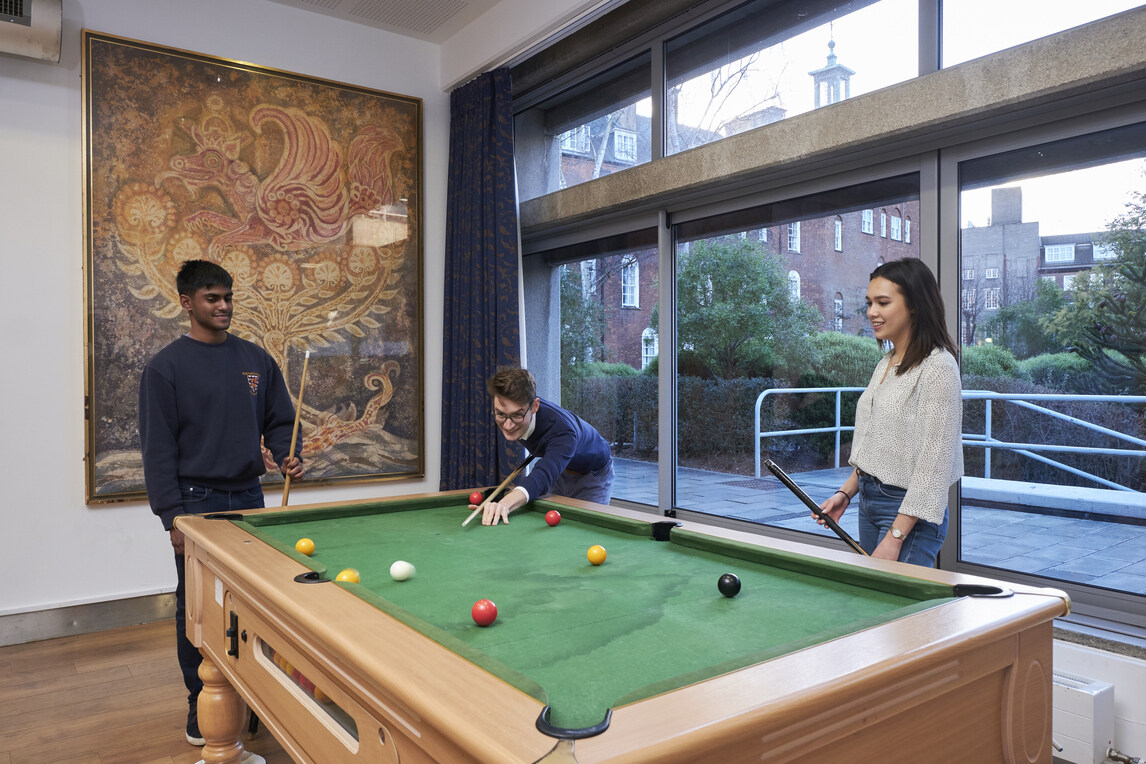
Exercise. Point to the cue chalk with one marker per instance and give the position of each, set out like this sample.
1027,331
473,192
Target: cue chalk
498,490
812,505
297,416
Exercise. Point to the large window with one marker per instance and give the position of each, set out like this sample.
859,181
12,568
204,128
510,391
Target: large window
609,347
988,203
765,61
595,128
1053,388
751,317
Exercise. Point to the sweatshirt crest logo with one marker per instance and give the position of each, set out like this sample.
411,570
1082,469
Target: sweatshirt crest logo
252,381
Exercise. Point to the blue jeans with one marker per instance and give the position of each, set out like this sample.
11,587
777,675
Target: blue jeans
198,500
588,486
878,506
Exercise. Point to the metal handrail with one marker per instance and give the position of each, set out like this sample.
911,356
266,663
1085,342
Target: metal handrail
985,440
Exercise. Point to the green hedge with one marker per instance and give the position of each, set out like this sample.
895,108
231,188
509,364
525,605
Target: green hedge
1066,372
714,416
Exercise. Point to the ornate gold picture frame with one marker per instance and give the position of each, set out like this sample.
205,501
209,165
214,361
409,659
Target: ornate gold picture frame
309,193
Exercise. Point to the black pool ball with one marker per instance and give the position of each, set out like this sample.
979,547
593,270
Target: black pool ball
729,585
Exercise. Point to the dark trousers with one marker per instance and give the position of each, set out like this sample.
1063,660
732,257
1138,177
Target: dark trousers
200,501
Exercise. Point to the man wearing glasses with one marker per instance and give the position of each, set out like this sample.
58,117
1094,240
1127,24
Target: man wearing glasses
573,459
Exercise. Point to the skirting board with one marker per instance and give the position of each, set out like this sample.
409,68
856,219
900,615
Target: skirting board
81,619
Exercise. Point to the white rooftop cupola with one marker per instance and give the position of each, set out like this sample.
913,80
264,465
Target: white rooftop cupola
833,82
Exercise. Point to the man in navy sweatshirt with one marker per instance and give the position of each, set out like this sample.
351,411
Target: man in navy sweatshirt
207,403
573,459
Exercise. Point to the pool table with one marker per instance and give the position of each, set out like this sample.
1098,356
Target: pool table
823,655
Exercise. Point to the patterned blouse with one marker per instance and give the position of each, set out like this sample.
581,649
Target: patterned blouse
908,432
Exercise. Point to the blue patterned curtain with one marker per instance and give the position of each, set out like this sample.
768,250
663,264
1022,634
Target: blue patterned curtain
481,315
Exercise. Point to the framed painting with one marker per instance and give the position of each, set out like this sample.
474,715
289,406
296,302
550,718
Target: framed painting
309,193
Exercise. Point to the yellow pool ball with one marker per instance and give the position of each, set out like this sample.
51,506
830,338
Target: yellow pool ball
596,554
350,574
304,546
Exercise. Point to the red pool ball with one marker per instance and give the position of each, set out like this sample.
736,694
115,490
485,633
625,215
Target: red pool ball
476,497
553,517
484,612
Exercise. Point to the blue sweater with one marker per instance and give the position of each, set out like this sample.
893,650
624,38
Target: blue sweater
562,441
204,410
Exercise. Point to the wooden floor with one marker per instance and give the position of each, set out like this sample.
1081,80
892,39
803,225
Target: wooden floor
113,697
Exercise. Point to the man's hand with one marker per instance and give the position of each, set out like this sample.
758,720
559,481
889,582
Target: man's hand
177,541
495,512
498,511
292,466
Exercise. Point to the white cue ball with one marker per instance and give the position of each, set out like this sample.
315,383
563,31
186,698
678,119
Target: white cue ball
401,570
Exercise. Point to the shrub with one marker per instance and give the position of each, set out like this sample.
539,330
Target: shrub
837,360
603,369
990,361
1065,372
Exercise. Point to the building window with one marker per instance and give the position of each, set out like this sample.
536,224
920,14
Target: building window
839,234
1059,253
625,145
883,224
838,312
794,237
991,298
907,230
588,278
630,284
793,285
991,273
867,222
896,227
968,274
649,347
576,140
1068,281
968,299
1104,252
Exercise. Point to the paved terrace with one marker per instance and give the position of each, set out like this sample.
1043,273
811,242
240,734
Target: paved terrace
1056,533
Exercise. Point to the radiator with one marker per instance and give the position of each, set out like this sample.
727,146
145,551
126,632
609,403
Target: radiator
1083,718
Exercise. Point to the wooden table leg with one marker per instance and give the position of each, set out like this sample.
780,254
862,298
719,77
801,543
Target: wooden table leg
220,716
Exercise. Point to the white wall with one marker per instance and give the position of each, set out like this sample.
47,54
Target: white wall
1128,675
506,30
61,551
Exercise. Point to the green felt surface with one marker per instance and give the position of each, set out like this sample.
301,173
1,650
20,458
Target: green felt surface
582,638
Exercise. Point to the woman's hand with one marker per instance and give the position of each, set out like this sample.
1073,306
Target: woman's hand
833,507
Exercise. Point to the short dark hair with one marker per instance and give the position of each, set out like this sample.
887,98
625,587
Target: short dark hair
198,274
512,384
920,291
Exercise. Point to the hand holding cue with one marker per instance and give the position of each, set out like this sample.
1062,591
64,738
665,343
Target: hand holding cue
294,433
812,505
499,489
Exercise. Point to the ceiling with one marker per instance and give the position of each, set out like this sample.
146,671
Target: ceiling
431,20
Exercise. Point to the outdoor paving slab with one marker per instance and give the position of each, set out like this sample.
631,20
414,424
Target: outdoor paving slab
1094,564
1137,569
1067,575
1131,551
982,539
1122,582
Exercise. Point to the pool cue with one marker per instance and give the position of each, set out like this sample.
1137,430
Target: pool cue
498,490
297,417
812,505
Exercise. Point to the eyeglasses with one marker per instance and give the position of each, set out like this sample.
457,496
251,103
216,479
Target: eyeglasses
517,418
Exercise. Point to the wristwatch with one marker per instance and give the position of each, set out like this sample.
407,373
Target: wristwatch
896,533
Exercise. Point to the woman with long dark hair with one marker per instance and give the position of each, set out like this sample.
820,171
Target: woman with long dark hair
906,450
